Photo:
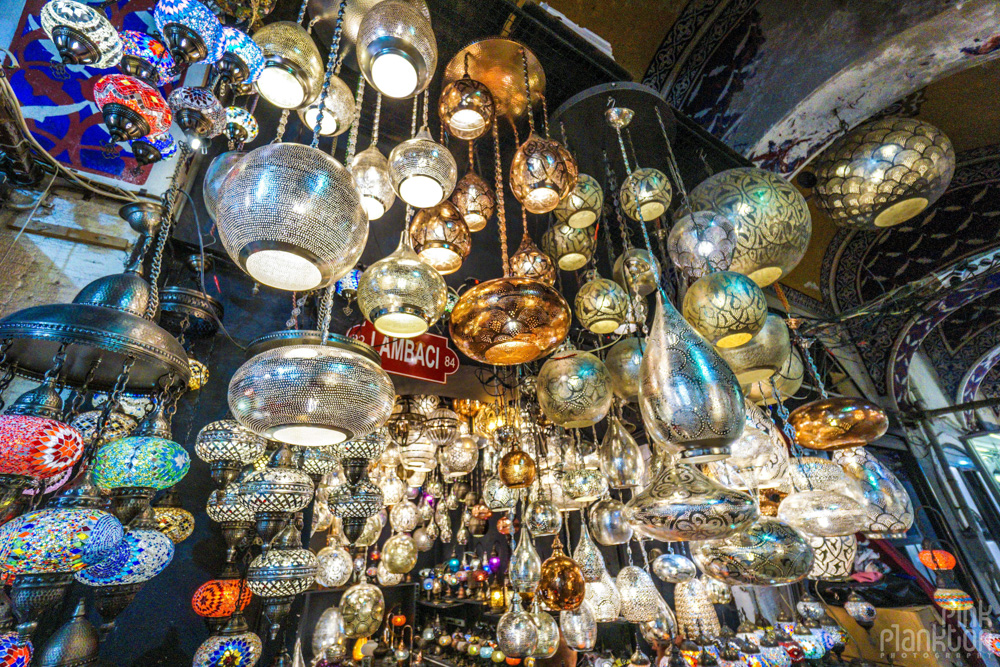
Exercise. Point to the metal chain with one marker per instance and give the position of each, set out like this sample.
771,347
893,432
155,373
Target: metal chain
80,395
282,122
293,319
378,113
352,137
154,273
799,341
331,64
114,399
675,173
58,360
173,392
326,311
527,91
8,369
501,213
302,11
621,144
545,117
413,117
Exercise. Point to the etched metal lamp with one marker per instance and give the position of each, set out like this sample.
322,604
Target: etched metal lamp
542,173
371,176
293,68
274,493
702,242
601,304
440,237
281,573
475,200
583,205
423,172
767,553
574,388
338,109
466,108
646,194
236,518
82,35
571,248
397,51
725,307
838,423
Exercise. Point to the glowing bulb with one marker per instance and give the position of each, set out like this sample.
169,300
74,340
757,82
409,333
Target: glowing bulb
394,75
373,207
283,270
421,191
327,126
280,87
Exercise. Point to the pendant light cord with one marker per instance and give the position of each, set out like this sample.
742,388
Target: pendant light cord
501,213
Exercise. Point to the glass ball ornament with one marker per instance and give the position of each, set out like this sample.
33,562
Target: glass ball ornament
290,216
571,248
423,172
767,553
466,108
561,586
440,237
601,304
883,172
763,356
646,194
583,205
638,593
574,388
772,221
81,34
475,200
822,513
517,634
362,607
396,48
674,568
727,308
542,518
293,67
701,243
337,109
620,458
542,173
370,170
608,524
579,627
403,517
604,599
334,567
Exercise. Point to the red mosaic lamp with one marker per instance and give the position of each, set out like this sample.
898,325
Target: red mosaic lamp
217,599
131,108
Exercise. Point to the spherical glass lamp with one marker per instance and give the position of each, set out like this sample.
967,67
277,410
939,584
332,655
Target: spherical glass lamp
242,60
293,68
571,248
131,108
423,172
475,200
530,262
216,174
763,355
574,388
517,634
584,485
144,57
220,598
727,308
397,51
579,628
198,113
822,513
234,645
399,554
702,242
81,34
889,508
141,555
190,29
312,395
601,304
338,110
440,237
466,108
509,321
838,423
290,216
770,216
35,445
57,540
517,470
152,148
646,194
582,206
562,586
241,126
542,517
767,553
498,496
883,172
371,176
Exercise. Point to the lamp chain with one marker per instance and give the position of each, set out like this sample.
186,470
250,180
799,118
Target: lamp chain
413,117
331,63
800,342
527,90
352,139
282,122
326,311
501,213
545,117
621,144
378,114
302,11
427,100
114,399
675,172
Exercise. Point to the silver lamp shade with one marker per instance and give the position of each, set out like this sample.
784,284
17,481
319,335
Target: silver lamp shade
397,50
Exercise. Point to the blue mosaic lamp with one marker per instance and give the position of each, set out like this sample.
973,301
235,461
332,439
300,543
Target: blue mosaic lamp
153,148
241,60
145,57
234,645
57,540
136,467
347,286
190,30
142,554
241,126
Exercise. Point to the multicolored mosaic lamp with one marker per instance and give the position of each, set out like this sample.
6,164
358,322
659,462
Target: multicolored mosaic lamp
190,30
82,35
198,112
242,60
218,599
145,58
234,645
241,126
171,519
57,540
131,108
15,651
153,148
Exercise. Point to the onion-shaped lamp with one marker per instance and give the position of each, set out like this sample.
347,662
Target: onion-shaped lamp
423,172
293,68
475,200
281,573
542,173
171,518
767,553
190,30
241,126
82,35
571,248
226,447
400,294
646,194
725,307
242,61
702,242
620,457
601,304
371,176
883,172
582,206
234,645
397,51
363,608
772,221
338,109
562,586
290,216
604,600
144,57
466,108
131,108
530,262
440,237
763,356
198,113
838,423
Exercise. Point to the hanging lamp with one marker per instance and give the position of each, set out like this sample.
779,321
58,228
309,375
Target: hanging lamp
275,492
702,242
235,644
281,573
145,57
153,148
242,60
601,304
646,194
466,108
440,237
396,47
338,109
583,205
475,200
423,172
215,175
571,248
530,262
190,30
82,35
726,308
241,126
293,68
198,113
131,108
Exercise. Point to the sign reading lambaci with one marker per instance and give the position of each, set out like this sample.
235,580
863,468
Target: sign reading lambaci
425,357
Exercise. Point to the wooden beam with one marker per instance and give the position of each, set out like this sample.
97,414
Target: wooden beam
73,234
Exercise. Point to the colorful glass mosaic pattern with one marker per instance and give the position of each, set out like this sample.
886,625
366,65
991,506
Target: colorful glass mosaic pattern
90,23
242,650
217,598
162,142
140,45
243,118
37,447
953,599
57,540
14,651
194,16
141,555
239,44
138,96
140,461
202,100
174,522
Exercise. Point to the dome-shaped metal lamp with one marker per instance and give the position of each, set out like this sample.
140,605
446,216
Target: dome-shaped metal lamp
542,173
725,307
293,68
338,109
582,206
423,172
466,108
397,51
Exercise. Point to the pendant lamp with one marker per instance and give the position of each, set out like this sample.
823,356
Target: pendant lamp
241,126
144,57
475,200
767,553
635,270
525,569
242,59
226,507
235,644
338,109
571,248
517,634
530,262
542,518
396,47
290,216
695,613
638,594
624,361
561,586
275,492
583,205
646,194
838,423
833,557
589,557
466,108
601,304
131,108
218,599
608,522
423,172
889,508
312,395
153,148
280,573
822,513
726,308
574,388
142,553
190,30
702,242
603,599
215,175
772,221
674,568
440,237
198,113
579,628
542,173
293,68
82,35
763,356
548,633
620,457
363,608
371,176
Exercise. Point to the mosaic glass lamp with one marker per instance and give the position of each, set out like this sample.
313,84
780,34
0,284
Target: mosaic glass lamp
226,447
423,172
198,113
291,217
293,68
274,492
371,176
355,504
82,35
190,30
883,172
397,50
153,148
145,57
131,108
571,248
242,60
440,237
15,651
234,645
58,540
280,573
142,554
171,518
221,598
241,126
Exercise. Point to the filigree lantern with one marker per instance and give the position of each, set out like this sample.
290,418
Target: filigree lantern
530,262
423,172
440,237
646,194
517,634
604,600
767,553
339,109
762,357
475,200
397,51
542,173
226,507
293,68
889,508
190,30
226,447
725,307
281,573
702,242
574,388
371,176
601,304
362,607
82,35
571,248
583,205
275,492
466,108
638,594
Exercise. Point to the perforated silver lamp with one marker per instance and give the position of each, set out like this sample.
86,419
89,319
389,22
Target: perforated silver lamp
397,51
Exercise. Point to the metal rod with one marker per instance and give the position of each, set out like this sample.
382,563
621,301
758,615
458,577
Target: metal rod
959,407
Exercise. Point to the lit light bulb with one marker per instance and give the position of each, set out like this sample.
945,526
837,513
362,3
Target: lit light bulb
281,88
421,191
394,75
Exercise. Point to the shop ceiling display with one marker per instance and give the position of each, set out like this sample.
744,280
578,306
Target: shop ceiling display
314,435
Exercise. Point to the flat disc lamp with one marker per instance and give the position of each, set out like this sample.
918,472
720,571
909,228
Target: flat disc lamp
293,68
397,51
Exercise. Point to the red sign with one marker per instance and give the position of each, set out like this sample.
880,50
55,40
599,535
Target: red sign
426,357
